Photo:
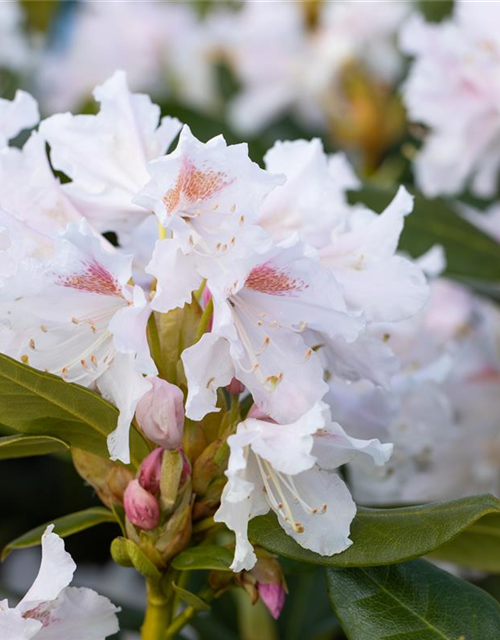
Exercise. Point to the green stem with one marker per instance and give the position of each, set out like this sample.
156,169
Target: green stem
205,319
157,614
154,344
183,618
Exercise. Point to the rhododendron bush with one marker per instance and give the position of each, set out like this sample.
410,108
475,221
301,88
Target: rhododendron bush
238,329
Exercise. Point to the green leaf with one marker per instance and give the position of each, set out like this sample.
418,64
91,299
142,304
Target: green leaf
206,557
129,554
38,403
64,527
191,598
415,600
385,536
471,255
477,547
26,446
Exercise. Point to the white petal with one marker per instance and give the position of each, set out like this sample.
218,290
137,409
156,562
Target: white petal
56,572
16,115
327,531
208,366
14,627
388,291
238,508
288,447
176,276
129,329
106,155
333,448
123,386
80,614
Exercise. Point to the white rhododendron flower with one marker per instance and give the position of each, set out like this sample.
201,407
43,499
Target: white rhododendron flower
263,313
357,246
454,89
206,195
76,316
289,468
52,610
106,155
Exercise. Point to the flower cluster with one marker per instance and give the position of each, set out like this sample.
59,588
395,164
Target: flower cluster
294,285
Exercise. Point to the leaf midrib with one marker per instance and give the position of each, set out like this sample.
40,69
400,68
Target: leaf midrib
15,380
405,607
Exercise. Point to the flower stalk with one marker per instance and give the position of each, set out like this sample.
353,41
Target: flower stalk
157,613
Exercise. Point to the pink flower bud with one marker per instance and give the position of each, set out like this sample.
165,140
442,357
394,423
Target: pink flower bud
150,471
273,596
235,387
160,414
140,506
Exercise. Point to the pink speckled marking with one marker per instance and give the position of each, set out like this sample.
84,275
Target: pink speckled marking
94,279
275,281
195,185
42,614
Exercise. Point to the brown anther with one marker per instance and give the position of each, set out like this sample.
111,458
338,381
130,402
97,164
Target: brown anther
242,220
75,320
323,507
308,354
25,359
64,371
299,527
43,328
32,344
210,382
93,360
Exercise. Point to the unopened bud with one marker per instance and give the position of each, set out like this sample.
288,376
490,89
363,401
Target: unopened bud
273,596
141,508
235,387
150,471
160,414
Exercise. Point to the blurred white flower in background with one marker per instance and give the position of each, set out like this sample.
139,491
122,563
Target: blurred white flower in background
284,63
442,409
16,52
155,43
453,88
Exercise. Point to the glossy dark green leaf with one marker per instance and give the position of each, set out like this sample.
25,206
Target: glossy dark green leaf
411,601
37,403
64,527
478,547
205,557
472,256
385,536
20,446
